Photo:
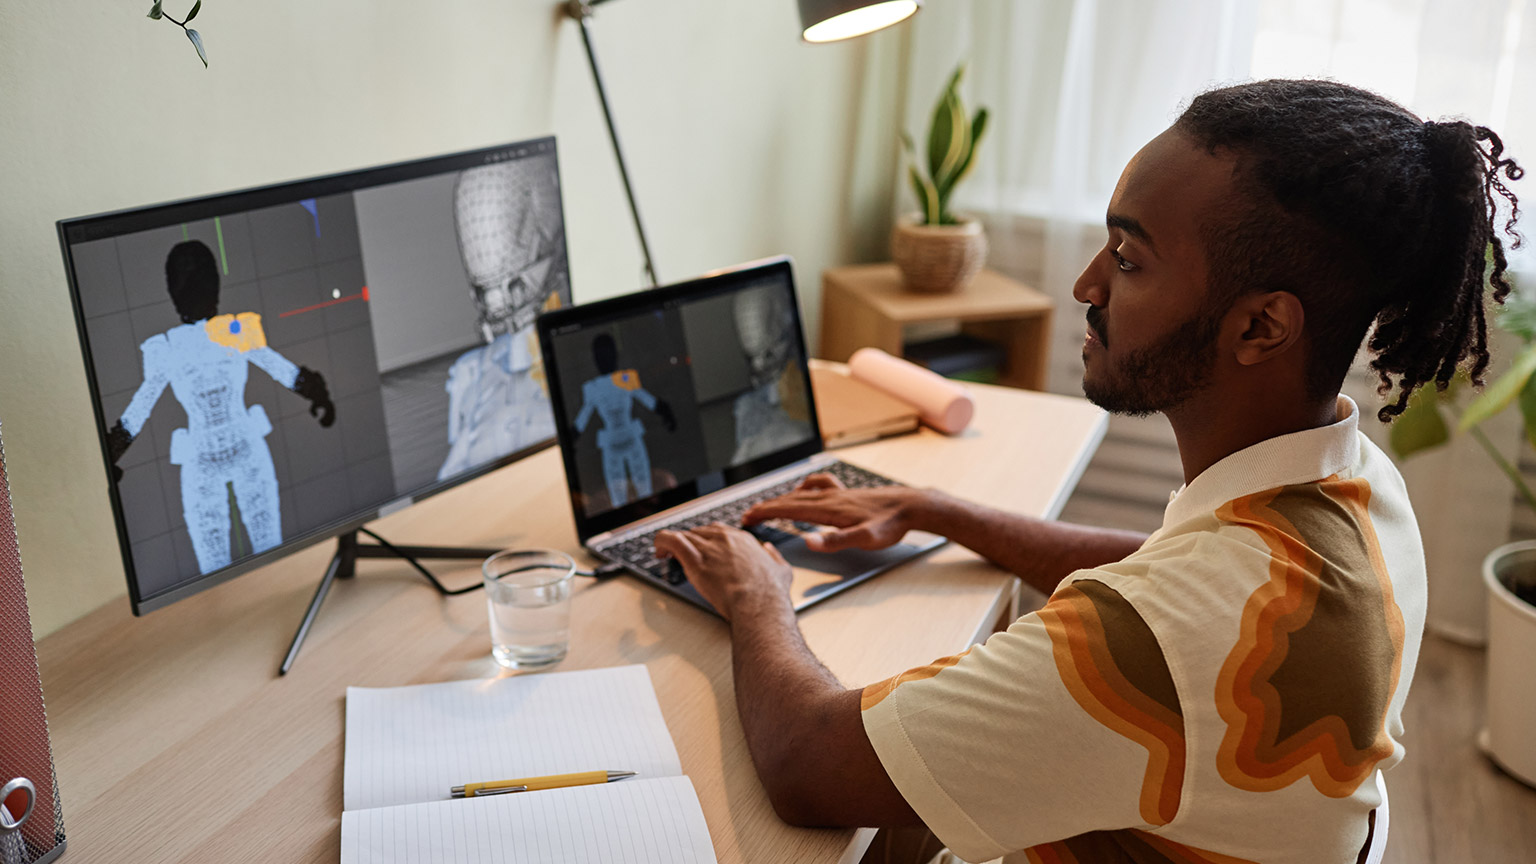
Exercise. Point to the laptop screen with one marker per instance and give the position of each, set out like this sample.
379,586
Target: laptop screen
670,394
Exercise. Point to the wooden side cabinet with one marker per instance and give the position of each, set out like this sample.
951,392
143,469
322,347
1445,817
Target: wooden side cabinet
866,305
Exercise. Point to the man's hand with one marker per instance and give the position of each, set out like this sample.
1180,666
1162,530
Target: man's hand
728,566
859,518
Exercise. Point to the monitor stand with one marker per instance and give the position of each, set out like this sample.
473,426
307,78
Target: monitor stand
344,564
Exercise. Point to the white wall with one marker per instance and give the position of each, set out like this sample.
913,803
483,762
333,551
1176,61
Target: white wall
740,140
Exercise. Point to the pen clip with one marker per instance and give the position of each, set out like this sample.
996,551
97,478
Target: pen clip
458,791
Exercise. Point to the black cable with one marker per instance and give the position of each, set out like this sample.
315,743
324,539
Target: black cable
606,571
441,588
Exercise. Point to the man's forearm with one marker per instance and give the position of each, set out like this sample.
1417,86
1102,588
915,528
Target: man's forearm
803,728
779,686
1040,552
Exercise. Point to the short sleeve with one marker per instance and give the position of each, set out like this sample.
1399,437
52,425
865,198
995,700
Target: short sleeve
1067,722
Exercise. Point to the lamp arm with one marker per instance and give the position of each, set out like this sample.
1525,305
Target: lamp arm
581,10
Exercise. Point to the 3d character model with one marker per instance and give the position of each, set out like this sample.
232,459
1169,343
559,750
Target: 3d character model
512,241
622,439
766,418
224,443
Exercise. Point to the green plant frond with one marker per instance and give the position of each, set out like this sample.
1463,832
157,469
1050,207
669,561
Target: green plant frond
978,126
1518,316
1502,391
927,196
1420,426
1528,409
959,145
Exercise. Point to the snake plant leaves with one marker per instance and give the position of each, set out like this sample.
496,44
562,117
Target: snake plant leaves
196,7
978,126
154,11
1502,391
197,42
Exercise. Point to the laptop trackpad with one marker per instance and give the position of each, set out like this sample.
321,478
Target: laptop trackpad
821,574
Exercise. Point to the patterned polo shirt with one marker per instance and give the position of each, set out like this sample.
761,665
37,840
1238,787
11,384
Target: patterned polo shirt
1227,693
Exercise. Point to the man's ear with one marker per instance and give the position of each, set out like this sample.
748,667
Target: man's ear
1269,325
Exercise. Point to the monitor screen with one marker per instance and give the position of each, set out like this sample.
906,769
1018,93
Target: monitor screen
275,366
675,393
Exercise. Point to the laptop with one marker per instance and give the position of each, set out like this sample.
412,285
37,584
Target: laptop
686,405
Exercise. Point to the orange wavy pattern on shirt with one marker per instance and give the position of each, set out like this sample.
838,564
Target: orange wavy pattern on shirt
1124,847
1095,680
1250,756
876,692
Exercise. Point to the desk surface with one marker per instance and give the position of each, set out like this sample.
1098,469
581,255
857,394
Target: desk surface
176,741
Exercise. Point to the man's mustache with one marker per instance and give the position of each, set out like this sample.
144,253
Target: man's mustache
1096,324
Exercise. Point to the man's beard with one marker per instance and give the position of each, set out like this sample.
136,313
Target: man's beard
1159,377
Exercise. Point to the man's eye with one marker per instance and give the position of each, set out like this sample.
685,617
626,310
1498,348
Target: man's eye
1120,262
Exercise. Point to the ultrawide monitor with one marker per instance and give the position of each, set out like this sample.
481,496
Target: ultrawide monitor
276,366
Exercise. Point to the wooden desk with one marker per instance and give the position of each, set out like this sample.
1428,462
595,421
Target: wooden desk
176,741
866,304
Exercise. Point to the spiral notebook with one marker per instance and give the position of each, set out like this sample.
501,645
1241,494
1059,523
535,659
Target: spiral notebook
407,746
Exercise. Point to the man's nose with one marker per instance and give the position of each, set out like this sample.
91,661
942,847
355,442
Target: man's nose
1090,286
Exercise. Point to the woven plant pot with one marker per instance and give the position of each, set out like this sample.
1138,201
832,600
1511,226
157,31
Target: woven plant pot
938,258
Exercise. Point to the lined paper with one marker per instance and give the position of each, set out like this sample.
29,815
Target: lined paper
407,745
629,822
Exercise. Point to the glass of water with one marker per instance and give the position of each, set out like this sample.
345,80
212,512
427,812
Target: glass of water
528,592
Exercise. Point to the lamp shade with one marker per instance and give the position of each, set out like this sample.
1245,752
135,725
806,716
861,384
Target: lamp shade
831,20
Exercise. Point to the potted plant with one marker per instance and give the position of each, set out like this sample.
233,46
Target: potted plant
934,249
1509,572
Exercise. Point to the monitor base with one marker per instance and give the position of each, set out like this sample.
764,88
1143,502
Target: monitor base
344,565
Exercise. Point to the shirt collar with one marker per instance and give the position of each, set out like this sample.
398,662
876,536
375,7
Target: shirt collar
1285,460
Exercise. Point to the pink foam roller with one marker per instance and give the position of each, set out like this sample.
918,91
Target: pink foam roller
940,402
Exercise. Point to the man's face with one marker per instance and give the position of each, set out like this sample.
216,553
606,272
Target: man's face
1152,333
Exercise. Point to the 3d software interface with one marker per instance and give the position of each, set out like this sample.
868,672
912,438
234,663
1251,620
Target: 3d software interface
667,396
269,372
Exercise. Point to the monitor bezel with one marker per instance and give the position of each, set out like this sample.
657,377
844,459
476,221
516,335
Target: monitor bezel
130,220
602,311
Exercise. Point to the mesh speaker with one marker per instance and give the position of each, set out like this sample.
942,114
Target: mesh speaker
29,791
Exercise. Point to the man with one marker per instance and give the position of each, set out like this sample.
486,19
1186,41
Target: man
1229,688
223,447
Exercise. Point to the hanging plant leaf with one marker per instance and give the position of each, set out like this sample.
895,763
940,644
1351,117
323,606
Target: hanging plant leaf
197,42
154,11
1420,426
1502,391
193,14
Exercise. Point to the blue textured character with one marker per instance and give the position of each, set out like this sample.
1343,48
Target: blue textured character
224,445
622,438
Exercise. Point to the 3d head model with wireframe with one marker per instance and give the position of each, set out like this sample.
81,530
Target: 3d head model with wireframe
765,323
512,244
222,450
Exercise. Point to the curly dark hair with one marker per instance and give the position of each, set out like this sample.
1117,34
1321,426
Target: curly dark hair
1369,216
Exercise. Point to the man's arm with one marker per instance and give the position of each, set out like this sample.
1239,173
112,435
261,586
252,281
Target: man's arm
803,728
1040,552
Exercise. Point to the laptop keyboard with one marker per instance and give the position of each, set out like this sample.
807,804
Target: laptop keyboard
639,551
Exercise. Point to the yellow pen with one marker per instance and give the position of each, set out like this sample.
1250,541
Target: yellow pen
530,784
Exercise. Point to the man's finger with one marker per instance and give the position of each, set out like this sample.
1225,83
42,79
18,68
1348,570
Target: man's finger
676,545
800,509
836,540
821,480
773,552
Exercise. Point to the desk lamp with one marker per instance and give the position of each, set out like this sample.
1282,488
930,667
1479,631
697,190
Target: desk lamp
820,21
